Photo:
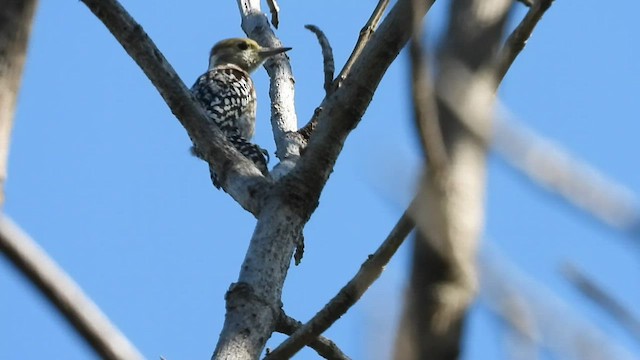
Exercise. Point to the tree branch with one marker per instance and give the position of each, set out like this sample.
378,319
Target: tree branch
274,9
284,121
329,68
425,108
343,109
518,38
563,332
323,346
604,300
369,271
239,176
365,35
64,294
16,18
450,216
327,57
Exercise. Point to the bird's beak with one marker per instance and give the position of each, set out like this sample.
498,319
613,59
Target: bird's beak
268,52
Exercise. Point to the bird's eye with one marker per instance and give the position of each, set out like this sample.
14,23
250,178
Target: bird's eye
243,46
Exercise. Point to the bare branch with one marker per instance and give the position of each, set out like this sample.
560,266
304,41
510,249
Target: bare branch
327,57
443,278
323,346
284,121
16,18
274,9
94,327
239,176
253,303
424,105
608,303
369,271
559,328
365,34
557,171
343,110
518,38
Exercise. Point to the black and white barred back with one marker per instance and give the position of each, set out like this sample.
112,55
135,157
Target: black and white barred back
228,96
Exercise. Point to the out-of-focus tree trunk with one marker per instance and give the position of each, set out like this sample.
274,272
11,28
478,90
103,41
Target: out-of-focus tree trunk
451,216
16,17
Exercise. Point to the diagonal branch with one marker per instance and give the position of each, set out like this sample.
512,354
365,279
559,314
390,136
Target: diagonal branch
323,346
350,293
608,303
518,38
64,294
343,110
365,35
241,179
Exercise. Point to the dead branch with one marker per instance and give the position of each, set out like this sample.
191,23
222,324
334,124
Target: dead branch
327,57
518,38
323,346
76,307
16,18
365,35
425,108
274,9
450,216
284,121
559,328
603,299
369,271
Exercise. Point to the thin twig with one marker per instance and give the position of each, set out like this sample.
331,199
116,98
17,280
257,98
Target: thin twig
424,104
239,176
518,38
323,346
274,9
608,303
363,39
94,327
327,57
349,294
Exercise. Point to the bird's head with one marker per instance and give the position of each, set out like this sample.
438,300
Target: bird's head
244,53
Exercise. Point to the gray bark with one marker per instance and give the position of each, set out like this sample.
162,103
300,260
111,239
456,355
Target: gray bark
16,17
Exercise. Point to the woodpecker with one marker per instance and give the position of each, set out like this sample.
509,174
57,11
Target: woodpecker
228,96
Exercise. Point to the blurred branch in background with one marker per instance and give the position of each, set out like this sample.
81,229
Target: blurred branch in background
604,300
551,167
64,294
558,327
16,17
450,215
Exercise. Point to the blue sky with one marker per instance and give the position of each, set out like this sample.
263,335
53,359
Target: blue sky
101,176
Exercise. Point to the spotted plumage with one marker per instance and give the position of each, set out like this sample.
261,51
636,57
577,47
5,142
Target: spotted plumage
227,94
